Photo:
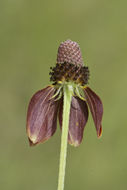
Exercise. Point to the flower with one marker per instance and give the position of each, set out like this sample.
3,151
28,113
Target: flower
47,104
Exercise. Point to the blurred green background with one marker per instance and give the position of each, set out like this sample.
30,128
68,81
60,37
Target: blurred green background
30,33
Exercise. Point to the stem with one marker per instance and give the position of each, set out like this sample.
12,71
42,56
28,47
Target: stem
67,89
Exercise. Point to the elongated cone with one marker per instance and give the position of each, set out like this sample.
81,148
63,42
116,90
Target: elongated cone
77,121
96,108
42,116
69,52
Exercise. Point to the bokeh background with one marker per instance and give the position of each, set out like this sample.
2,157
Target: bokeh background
30,33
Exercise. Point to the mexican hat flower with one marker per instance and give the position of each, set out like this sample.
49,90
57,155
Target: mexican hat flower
68,98
69,95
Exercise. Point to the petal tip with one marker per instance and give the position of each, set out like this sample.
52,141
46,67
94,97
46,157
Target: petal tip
99,135
32,140
31,144
74,143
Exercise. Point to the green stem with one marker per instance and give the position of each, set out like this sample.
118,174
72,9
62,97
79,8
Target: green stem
67,89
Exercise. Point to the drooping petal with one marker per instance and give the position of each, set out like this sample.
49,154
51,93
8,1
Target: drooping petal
42,116
96,108
77,120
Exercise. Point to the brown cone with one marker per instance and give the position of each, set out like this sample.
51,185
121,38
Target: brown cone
69,52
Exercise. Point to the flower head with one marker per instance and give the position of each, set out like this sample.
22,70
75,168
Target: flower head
47,104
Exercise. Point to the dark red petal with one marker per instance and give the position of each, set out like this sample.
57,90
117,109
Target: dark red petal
42,116
96,108
77,121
